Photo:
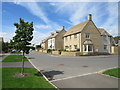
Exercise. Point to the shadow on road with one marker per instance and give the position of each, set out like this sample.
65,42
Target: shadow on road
51,74
31,58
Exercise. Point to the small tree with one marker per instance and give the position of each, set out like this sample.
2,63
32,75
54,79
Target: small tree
24,34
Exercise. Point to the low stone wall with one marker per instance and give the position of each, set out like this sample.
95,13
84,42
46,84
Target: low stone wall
44,51
70,53
55,52
40,50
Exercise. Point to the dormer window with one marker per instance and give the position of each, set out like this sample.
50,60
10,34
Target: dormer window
87,35
70,37
75,36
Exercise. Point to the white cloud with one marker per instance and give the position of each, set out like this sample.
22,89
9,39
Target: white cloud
6,36
41,27
38,37
78,12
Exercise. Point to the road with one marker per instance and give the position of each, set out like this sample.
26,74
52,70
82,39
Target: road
62,68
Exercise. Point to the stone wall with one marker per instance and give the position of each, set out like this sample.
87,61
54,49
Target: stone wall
70,53
55,52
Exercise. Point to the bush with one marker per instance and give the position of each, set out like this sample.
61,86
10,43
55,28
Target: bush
61,50
78,49
49,51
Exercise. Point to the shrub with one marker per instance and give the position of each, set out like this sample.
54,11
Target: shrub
49,51
78,49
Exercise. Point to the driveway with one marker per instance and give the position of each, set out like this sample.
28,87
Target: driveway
58,68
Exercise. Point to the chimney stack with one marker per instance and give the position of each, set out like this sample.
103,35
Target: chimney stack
89,17
63,27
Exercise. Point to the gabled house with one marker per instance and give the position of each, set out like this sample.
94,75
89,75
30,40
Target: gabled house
44,44
85,37
56,41
107,40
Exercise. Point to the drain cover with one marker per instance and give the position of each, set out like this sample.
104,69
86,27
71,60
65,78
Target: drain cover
84,66
41,70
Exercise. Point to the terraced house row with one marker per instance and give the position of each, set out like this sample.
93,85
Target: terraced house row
84,37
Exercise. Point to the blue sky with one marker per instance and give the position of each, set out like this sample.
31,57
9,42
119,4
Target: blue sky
50,16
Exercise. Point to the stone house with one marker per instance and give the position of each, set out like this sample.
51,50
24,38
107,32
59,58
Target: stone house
44,44
54,41
86,37
107,40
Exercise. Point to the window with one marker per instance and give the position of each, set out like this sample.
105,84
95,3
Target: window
89,47
85,47
65,38
70,37
75,46
75,36
66,47
70,47
105,47
87,35
105,37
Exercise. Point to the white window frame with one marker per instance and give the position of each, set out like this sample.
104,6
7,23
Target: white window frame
70,47
70,37
75,47
75,36
87,35
87,48
105,48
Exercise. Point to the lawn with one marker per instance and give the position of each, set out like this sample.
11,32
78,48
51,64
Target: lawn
14,58
113,72
33,80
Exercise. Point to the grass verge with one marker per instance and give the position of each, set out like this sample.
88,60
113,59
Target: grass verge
113,72
14,58
33,80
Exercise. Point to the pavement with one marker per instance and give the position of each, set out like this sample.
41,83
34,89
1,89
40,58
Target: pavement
16,64
13,64
75,72
88,81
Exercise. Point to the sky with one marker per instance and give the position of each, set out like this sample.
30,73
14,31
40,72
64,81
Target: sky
50,16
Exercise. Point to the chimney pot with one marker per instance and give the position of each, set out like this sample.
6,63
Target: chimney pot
89,17
63,27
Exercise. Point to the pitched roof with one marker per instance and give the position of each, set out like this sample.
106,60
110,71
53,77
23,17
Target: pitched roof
45,39
52,36
77,28
102,31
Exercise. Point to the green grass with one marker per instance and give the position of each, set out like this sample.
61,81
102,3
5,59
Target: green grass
14,58
113,72
31,81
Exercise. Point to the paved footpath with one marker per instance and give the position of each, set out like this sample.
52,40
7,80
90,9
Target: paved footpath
16,64
75,72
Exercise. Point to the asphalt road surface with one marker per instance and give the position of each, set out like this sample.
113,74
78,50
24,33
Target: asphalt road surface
63,69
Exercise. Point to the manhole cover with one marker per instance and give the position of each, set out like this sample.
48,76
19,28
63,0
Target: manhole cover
84,66
41,70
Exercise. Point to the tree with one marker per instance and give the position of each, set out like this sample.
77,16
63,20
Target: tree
5,47
24,34
117,38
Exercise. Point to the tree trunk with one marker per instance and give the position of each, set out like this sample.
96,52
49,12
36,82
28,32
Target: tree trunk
22,63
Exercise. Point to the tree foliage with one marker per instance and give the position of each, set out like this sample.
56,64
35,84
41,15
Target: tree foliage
117,38
22,38
24,32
